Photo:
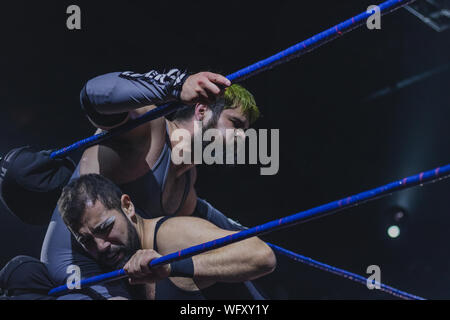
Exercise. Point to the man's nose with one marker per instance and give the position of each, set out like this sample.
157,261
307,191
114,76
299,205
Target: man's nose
102,245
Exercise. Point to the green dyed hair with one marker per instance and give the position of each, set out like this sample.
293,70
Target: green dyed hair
235,96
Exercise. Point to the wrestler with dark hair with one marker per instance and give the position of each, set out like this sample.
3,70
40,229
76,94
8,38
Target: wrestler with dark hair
105,223
139,161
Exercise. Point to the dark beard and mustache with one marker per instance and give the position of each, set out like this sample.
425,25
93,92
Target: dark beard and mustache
129,249
212,124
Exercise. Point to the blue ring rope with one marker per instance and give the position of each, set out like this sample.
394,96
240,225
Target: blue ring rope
263,65
344,273
436,174
316,41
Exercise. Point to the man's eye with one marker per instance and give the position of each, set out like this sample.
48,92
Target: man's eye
237,124
106,229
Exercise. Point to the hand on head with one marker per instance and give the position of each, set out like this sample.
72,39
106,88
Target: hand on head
203,87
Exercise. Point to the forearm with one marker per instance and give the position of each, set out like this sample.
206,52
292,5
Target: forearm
120,92
241,261
238,262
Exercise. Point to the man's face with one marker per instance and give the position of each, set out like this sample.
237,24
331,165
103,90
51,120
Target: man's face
232,123
232,119
107,235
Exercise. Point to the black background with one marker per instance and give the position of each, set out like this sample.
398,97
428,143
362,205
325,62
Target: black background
333,142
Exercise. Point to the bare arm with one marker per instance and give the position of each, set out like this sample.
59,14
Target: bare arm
241,261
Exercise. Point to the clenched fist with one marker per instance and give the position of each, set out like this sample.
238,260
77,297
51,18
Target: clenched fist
138,270
203,87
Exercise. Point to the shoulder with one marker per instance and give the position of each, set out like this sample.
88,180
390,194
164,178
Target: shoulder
128,156
189,229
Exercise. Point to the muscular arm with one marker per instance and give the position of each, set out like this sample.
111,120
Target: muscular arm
237,262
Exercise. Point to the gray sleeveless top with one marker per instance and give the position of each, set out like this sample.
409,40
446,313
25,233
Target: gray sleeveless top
146,191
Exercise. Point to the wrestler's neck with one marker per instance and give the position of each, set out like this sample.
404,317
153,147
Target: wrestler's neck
141,227
186,125
145,230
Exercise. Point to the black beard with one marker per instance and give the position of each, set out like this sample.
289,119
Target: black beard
129,249
211,124
133,244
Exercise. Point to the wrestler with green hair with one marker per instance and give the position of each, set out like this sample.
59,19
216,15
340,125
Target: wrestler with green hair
139,162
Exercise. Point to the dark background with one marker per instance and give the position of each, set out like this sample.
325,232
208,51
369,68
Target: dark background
333,142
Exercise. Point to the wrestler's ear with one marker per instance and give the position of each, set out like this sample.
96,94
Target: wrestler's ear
200,111
128,207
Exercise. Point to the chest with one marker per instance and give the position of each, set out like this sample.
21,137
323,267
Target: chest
150,179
